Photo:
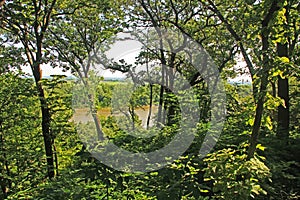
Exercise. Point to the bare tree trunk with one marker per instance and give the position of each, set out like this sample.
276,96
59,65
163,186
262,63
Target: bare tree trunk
56,159
46,116
274,91
172,101
46,130
166,94
4,182
283,116
100,134
274,94
132,115
258,116
150,105
98,126
161,99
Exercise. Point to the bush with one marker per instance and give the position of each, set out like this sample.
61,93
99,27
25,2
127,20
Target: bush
233,176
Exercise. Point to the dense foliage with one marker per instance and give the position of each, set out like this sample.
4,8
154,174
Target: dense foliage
50,127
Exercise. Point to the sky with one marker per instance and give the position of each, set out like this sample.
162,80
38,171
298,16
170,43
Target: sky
128,50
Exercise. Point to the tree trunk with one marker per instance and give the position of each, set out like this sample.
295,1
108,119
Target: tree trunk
166,96
46,130
96,119
132,114
172,110
172,101
264,79
4,182
274,94
56,159
46,116
161,98
283,92
150,105
257,120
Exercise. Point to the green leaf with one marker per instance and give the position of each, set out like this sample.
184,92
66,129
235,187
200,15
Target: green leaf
284,59
260,147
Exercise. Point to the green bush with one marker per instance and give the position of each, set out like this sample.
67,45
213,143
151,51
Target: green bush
233,176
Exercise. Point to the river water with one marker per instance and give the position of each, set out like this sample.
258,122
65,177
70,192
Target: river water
83,115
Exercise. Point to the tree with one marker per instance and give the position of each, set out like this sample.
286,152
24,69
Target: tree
238,32
78,40
287,34
189,19
27,21
262,60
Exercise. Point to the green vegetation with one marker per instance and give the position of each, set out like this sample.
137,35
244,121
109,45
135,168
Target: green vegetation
49,146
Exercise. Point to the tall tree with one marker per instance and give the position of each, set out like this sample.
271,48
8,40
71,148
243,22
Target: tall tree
246,26
283,115
259,62
80,38
184,18
27,22
286,37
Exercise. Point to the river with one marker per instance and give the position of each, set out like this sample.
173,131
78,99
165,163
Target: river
83,115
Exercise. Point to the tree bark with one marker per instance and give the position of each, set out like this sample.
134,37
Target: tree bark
48,140
283,92
150,105
46,116
56,159
31,32
5,183
96,119
264,79
258,116
161,99
166,96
